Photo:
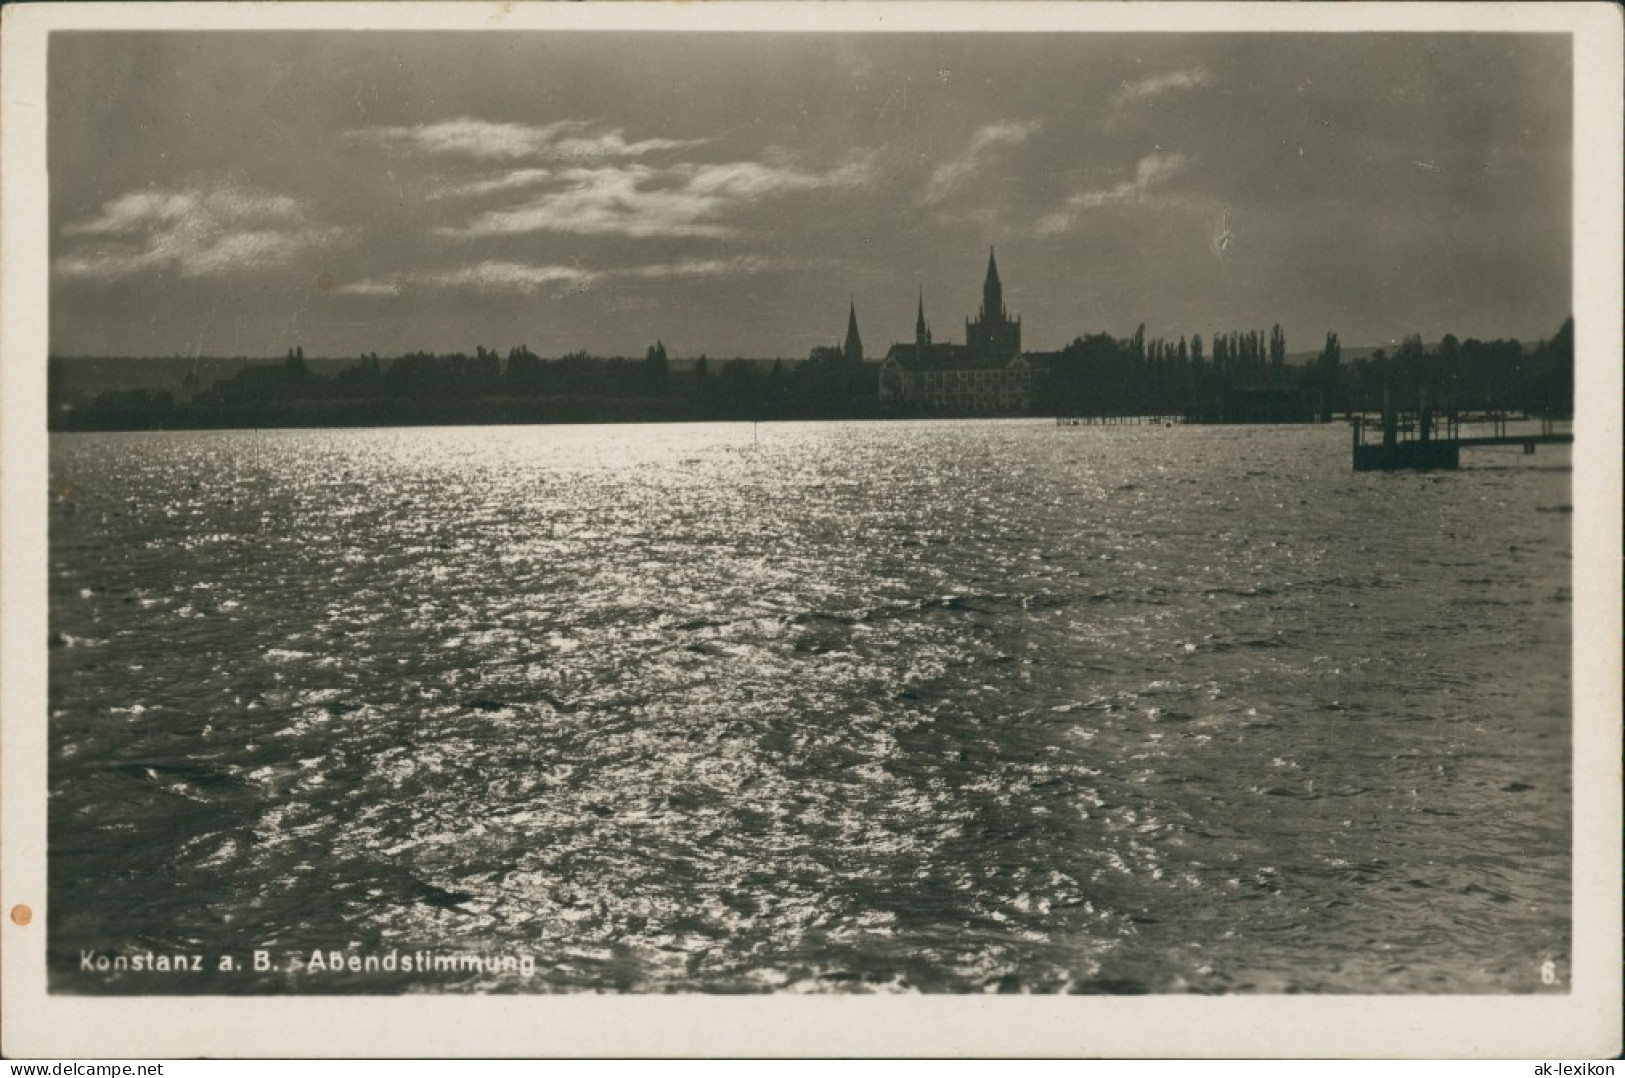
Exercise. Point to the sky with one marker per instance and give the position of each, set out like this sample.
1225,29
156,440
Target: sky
242,193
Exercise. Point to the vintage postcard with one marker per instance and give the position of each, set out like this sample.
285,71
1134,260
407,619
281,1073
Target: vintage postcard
812,529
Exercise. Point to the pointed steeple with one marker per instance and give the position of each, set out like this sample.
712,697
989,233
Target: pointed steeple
993,334
919,319
854,343
992,293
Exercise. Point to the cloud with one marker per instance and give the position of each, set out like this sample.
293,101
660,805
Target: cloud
1133,93
506,181
507,277
985,146
704,267
564,140
523,278
369,287
197,232
609,200
1150,173
612,144
635,200
752,179
488,277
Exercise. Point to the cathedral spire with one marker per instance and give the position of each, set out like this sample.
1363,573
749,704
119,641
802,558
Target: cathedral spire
922,332
854,343
994,334
992,292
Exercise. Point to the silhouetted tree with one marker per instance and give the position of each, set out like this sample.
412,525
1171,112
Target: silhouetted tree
1556,391
656,367
576,374
1322,379
523,374
777,387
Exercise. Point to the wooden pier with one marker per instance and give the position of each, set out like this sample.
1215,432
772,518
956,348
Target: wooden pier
1417,442
1117,420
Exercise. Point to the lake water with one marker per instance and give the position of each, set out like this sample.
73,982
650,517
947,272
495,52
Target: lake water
936,706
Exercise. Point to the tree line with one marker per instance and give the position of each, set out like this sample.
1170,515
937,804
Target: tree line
486,387
1453,376
1233,376
1243,376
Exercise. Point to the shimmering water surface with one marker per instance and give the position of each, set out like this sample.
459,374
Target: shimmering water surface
955,706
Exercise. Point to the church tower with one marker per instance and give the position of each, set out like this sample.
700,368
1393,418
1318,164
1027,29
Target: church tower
922,332
854,344
994,335
992,293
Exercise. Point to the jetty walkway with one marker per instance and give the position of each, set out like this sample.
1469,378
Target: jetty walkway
1419,441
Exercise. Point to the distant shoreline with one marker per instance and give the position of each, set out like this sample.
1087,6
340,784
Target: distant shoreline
1241,378
384,412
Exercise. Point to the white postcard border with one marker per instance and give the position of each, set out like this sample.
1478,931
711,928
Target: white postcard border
1582,1023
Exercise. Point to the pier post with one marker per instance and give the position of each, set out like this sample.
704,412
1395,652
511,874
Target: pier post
1390,422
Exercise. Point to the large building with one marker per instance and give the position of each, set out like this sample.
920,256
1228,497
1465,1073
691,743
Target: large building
987,375
994,333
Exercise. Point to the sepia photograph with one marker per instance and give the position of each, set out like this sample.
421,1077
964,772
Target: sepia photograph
888,506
